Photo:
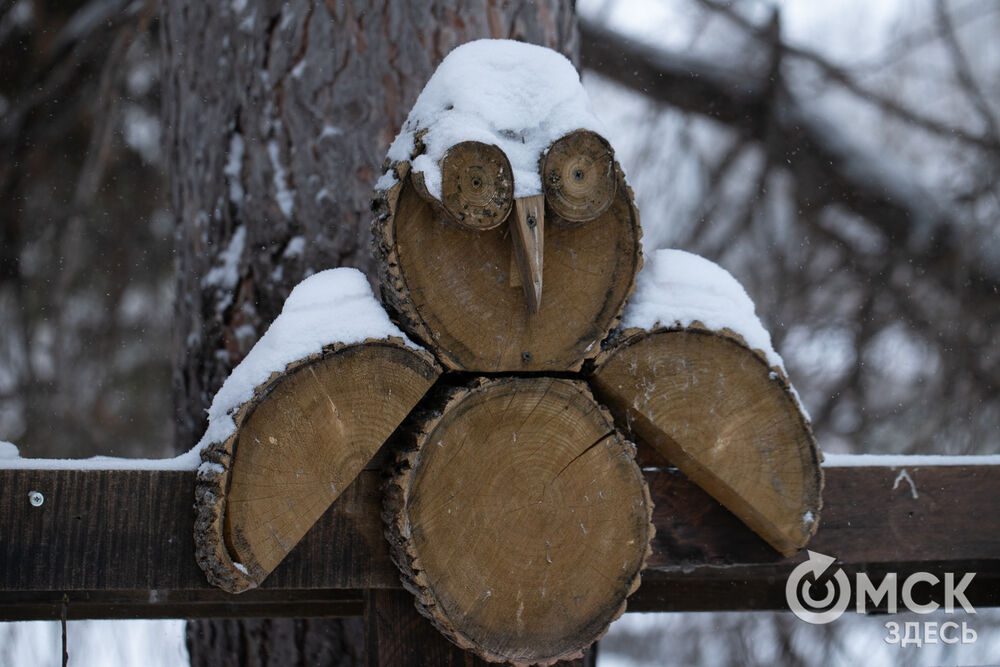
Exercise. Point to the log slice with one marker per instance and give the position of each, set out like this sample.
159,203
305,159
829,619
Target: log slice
578,175
457,290
299,442
715,409
519,519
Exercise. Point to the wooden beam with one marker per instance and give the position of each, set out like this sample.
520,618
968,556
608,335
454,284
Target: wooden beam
119,544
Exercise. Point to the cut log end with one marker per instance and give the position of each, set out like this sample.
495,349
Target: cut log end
714,408
519,519
471,298
299,443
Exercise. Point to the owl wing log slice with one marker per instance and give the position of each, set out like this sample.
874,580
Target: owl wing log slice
716,410
519,518
298,444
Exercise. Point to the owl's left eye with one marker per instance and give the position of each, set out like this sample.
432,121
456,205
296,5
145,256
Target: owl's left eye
578,176
477,185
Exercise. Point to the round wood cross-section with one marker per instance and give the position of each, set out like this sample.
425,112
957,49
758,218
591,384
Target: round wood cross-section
579,176
477,185
521,520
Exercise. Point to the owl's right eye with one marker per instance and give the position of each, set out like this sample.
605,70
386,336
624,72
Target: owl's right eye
578,176
477,185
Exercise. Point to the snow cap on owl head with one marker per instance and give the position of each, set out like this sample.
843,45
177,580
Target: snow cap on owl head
519,97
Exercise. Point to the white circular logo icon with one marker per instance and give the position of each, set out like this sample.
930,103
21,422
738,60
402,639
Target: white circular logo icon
825,607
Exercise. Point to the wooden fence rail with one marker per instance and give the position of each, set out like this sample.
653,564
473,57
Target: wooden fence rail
118,544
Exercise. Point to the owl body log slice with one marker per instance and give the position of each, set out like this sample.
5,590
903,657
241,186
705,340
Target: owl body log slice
519,518
458,291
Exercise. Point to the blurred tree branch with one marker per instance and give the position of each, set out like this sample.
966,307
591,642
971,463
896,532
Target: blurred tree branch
828,167
843,77
963,71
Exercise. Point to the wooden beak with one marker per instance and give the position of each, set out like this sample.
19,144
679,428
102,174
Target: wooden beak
527,235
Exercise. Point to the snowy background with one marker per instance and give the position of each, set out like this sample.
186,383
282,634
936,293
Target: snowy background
892,348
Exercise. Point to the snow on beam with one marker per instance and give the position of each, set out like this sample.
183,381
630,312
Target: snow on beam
119,543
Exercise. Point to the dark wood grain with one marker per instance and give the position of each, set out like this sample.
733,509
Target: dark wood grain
133,530
868,517
120,544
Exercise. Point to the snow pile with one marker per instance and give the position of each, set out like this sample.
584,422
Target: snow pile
520,97
677,288
333,306
10,459
187,461
908,460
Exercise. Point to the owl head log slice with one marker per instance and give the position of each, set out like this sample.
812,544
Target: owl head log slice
507,237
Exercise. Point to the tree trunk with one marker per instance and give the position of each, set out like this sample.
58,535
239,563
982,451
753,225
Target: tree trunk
277,118
277,641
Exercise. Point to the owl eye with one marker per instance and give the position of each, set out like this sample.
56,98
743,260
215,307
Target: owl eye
578,175
477,185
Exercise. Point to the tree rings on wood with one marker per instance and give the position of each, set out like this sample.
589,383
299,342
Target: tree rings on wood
477,185
458,290
716,410
299,443
578,175
520,520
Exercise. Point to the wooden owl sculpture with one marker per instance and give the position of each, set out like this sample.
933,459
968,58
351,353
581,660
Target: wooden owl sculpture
508,244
